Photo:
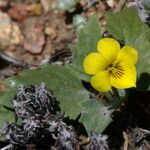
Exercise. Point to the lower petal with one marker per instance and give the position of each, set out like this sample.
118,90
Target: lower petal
127,80
101,81
94,63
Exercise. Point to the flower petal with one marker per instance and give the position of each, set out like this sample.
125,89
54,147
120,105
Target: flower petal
128,54
94,63
101,81
127,80
109,48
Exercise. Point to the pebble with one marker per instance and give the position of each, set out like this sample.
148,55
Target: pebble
9,32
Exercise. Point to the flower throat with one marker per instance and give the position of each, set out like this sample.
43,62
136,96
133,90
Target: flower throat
115,70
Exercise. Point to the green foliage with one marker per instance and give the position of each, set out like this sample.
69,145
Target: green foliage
87,40
6,116
65,82
72,98
127,26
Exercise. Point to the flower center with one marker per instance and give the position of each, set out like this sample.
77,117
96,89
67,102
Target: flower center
115,70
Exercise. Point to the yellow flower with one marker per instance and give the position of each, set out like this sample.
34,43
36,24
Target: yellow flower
111,65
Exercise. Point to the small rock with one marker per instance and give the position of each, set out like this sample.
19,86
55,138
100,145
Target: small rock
18,12
66,5
9,31
111,3
34,37
16,34
34,9
51,32
47,5
3,3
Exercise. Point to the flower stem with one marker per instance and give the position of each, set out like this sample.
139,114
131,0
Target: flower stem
115,93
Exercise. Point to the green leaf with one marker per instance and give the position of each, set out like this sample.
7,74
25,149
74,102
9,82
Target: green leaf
6,116
143,67
87,40
72,97
127,26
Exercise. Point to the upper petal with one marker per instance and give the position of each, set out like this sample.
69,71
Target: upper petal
94,63
128,54
109,48
101,81
127,79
